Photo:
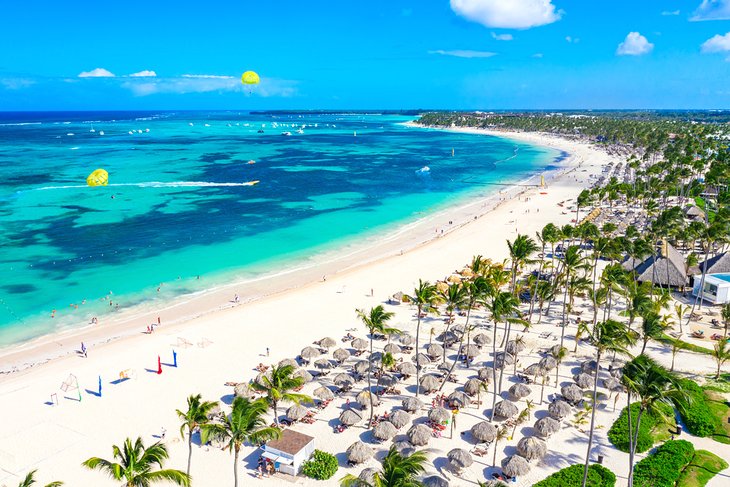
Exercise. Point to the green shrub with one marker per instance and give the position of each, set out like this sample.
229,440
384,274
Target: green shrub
663,467
321,466
598,476
695,412
618,435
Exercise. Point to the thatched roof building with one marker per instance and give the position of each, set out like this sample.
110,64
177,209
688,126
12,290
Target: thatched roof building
666,267
719,264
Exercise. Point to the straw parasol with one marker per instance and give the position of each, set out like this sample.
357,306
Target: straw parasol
375,357
323,393
366,397
412,404
485,374
288,361
429,383
531,448
514,466
387,380
503,359
470,350
327,342
472,386
459,398
435,481
572,393
384,430
421,359
559,409
439,415
481,339
306,376
361,366
359,344
261,376
419,435
546,426
359,452
296,412
484,432
434,351
514,347
458,330
343,380
323,364
367,475
308,353
583,380
613,385
407,340
341,355
243,390
392,349
448,338
519,390
444,368
350,417
404,448
459,458
534,370
400,418
505,409
548,362
406,368
214,412
589,367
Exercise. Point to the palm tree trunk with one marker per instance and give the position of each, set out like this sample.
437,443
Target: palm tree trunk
702,285
631,433
494,372
633,448
505,340
418,335
593,418
190,450
494,455
461,343
235,467
275,404
370,391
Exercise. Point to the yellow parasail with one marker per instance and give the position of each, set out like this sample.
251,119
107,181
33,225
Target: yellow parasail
98,178
250,78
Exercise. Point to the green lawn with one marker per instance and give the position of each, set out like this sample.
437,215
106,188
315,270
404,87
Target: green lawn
721,411
702,468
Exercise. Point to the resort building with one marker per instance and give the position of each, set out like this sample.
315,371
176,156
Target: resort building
289,452
716,287
665,268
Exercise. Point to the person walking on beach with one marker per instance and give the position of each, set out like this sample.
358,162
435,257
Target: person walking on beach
83,350
236,299
267,351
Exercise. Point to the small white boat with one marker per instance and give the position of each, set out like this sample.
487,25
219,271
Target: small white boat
131,132
139,131
101,132
424,170
286,133
354,134
207,125
300,131
191,124
70,134
92,129
147,130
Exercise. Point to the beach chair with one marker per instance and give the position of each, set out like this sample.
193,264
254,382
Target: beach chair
204,342
182,342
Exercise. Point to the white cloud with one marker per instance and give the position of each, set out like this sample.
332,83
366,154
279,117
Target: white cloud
17,83
204,83
717,43
96,73
464,53
572,40
143,74
712,10
538,55
635,44
670,12
502,37
507,14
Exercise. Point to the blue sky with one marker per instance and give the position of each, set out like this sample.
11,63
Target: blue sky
376,54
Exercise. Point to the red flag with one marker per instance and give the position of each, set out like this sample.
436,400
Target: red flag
159,365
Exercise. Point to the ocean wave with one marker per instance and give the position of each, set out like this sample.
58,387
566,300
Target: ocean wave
19,124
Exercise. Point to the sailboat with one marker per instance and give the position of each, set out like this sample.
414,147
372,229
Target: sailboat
92,129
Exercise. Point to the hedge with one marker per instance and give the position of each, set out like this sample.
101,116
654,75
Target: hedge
321,466
664,467
598,476
695,412
618,435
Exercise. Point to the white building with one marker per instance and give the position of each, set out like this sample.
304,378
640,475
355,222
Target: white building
290,451
716,288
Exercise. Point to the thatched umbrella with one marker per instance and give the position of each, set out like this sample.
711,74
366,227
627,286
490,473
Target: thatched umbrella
243,390
472,386
350,417
429,383
407,340
481,339
546,426
419,435
288,361
459,458
519,390
323,393
387,380
359,452
421,359
412,404
505,409
485,374
261,375
327,342
613,385
435,481
548,362
554,350
308,353
439,415
434,351
459,399
531,448
306,376
534,370
484,432
514,466
366,397
359,344
559,409
406,368
341,354
503,359
458,330
296,412
572,393
404,448
368,475
444,368
343,380
514,347
375,357
589,367
392,349
470,350
361,367
400,418
448,338
323,364
384,430
583,380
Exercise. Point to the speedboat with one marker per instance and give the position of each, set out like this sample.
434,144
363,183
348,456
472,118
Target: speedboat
424,170
286,133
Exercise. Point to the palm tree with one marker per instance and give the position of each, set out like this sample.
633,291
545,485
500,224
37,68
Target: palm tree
502,434
424,297
721,354
277,386
652,327
246,424
29,480
606,336
519,252
572,262
680,310
376,322
398,471
136,464
193,418
386,362
676,347
725,313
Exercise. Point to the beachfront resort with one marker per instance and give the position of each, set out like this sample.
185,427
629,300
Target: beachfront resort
573,334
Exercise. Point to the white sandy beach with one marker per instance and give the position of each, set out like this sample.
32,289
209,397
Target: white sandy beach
290,313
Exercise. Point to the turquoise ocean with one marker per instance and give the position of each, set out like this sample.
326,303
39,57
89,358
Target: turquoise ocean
176,206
